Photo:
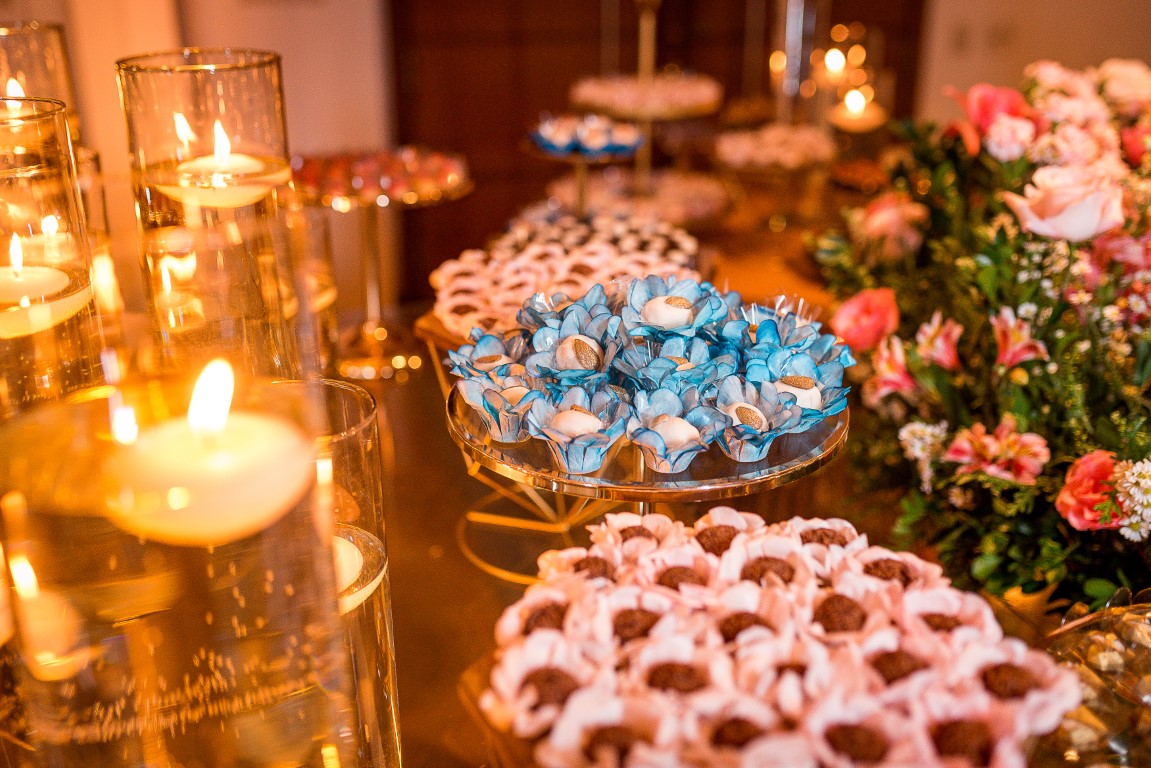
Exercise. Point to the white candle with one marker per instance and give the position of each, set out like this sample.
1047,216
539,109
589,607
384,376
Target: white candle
857,115
225,179
34,293
213,477
350,564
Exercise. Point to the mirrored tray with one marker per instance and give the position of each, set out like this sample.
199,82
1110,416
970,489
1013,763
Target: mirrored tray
711,476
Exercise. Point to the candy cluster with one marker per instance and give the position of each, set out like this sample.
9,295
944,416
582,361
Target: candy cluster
683,198
667,95
486,289
775,145
406,175
589,135
674,364
734,643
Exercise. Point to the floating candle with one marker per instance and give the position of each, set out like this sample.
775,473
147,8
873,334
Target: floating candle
225,179
38,295
857,115
213,477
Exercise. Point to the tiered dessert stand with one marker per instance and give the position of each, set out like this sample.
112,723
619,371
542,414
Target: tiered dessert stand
369,353
624,481
580,163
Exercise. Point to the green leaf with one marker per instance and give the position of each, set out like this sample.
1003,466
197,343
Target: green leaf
1100,589
984,566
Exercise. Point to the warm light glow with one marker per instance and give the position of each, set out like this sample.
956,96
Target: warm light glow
165,278
179,498
125,430
777,61
184,131
868,92
222,149
835,61
16,91
856,55
212,398
23,577
839,33
50,225
855,102
183,268
16,255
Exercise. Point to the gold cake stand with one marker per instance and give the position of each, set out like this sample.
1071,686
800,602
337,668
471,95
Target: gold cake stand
560,503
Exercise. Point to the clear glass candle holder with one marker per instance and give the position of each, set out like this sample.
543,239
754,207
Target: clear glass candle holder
34,62
212,183
49,343
172,580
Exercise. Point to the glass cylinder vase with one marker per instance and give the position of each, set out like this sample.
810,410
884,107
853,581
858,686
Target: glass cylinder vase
49,342
34,62
211,180
171,569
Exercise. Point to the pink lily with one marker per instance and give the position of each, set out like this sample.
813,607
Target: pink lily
1013,337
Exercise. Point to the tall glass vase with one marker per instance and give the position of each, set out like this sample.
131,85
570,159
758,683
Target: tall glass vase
212,181
49,344
34,62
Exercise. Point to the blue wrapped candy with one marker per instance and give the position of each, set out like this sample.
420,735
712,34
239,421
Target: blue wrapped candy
756,416
502,407
580,429
579,353
665,307
489,356
671,430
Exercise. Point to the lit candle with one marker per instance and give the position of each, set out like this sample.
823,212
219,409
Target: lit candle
104,283
857,115
225,179
50,628
213,477
834,63
354,567
33,298
179,312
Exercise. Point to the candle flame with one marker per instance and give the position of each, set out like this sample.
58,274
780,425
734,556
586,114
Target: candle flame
23,577
855,101
125,428
13,89
223,148
777,62
212,398
835,61
184,130
16,255
165,278
50,225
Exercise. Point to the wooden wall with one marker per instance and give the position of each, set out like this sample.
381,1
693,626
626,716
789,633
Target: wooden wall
472,77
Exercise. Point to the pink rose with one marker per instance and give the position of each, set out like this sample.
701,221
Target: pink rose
891,376
1008,137
1126,84
984,102
1071,145
894,222
1014,341
866,318
1087,485
936,341
1135,140
1068,203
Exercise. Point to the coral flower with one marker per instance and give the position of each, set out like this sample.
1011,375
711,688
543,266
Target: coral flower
1013,337
1087,485
866,318
936,340
973,449
1021,456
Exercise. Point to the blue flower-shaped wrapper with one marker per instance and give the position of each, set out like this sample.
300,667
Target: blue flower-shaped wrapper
697,308
651,408
828,377
677,364
488,356
585,453
777,415
602,327
504,418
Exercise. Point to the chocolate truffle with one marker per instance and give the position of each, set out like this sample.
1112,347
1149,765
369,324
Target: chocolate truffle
679,574
735,732
859,742
968,739
757,570
613,739
546,616
1008,681
594,567
632,531
730,626
553,685
825,536
896,665
890,569
676,676
839,613
941,622
716,539
633,623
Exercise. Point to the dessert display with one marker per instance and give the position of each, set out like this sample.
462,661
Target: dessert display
775,146
736,643
665,96
683,198
407,176
588,136
672,364
554,255
1111,653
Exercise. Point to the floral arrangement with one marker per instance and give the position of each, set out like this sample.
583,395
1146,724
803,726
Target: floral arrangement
673,364
735,643
997,294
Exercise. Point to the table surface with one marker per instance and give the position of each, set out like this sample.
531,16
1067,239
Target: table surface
445,608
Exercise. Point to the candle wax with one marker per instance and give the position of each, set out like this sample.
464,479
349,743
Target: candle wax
35,284
188,489
349,569
232,183
871,118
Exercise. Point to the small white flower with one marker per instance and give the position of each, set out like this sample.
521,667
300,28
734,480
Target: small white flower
1027,310
1052,368
1084,346
923,443
1060,333
1112,313
1080,297
1135,529
1133,489
961,498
